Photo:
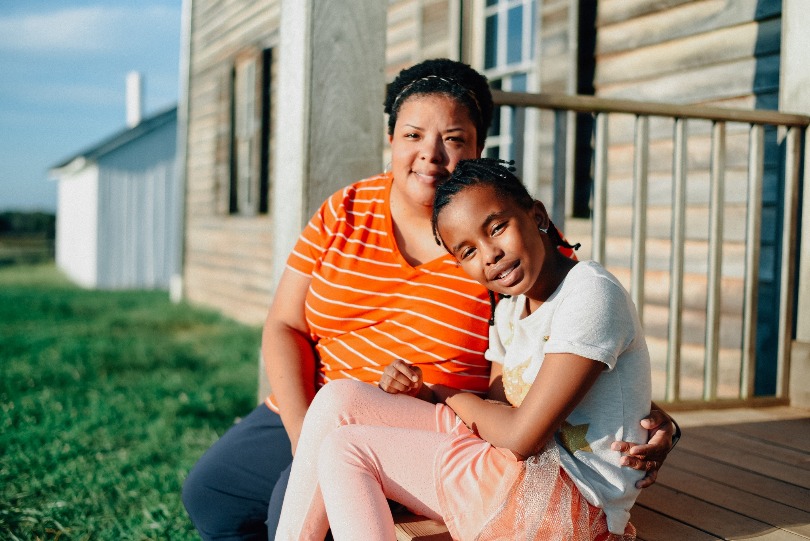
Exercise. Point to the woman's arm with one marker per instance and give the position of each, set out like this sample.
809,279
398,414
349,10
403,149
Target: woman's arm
289,357
561,383
649,457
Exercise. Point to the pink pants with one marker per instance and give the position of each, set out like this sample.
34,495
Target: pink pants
359,446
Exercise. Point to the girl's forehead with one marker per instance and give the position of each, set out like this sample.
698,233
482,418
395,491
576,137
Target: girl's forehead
478,198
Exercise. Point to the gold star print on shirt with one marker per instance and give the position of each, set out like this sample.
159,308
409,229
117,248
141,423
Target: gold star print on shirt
573,437
514,386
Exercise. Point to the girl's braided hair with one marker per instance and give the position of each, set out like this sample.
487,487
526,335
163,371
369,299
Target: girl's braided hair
448,77
497,174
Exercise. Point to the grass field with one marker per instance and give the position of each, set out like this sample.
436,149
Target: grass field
106,401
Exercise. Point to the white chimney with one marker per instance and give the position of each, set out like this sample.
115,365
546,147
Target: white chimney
134,98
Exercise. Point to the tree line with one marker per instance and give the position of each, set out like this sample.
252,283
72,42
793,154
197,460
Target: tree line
38,224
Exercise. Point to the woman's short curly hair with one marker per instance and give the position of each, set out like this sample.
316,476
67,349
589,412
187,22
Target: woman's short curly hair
443,76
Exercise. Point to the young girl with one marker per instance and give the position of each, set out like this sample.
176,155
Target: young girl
569,357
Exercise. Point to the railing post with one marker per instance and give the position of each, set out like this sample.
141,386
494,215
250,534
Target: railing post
678,236
788,271
600,189
640,170
714,282
753,232
559,197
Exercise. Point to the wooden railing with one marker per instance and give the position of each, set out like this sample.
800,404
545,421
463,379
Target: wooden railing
788,140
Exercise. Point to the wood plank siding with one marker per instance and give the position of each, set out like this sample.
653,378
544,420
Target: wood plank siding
418,30
228,255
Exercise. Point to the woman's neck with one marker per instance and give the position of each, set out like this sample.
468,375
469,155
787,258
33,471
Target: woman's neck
413,231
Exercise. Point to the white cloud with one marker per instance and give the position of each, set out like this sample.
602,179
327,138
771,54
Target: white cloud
83,30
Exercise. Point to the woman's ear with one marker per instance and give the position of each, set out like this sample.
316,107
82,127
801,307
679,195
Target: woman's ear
540,215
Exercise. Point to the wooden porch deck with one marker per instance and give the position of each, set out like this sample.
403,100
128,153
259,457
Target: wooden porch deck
736,474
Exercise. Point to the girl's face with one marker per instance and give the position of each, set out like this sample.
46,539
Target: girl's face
496,241
432,133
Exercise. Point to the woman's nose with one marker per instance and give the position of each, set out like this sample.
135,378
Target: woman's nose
432,150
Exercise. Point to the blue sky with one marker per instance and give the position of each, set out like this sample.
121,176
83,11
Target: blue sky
63,67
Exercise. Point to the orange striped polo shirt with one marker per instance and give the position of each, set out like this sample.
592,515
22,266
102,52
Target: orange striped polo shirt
367,306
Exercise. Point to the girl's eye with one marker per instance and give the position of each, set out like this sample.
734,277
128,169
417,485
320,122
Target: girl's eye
466,253
498,228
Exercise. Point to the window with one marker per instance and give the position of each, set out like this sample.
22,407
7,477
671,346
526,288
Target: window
509,34
250,115
510,60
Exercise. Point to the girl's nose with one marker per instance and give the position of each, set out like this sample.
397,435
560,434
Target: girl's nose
492,253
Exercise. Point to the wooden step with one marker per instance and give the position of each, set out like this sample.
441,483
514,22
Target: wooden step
410,527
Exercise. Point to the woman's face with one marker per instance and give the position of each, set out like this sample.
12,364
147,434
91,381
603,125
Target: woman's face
495,240
432,133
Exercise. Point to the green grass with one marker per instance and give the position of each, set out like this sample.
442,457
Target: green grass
106,401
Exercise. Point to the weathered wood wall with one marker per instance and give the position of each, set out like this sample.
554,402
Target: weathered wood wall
228,257
421,29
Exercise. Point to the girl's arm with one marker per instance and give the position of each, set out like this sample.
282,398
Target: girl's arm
562,382
496,391
288,352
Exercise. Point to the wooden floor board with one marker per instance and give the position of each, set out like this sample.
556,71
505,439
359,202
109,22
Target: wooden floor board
701,514
746,438
737,455
793,434
653,526
750,482
745,503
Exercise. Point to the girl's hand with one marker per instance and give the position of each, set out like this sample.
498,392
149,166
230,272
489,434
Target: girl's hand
401,377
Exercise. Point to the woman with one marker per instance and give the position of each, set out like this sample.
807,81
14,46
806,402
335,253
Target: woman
366,285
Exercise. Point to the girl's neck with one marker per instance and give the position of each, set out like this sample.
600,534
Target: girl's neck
552,275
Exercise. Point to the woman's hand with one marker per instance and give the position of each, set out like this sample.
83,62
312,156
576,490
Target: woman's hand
650,456
401,377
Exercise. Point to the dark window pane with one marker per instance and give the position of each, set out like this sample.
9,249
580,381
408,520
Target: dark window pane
514,35
491,42
492,152
491,2
495,127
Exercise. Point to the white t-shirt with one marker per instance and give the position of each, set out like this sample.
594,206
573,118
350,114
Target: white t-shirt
591,315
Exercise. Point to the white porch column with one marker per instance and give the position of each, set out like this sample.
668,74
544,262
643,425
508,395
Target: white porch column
329,110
